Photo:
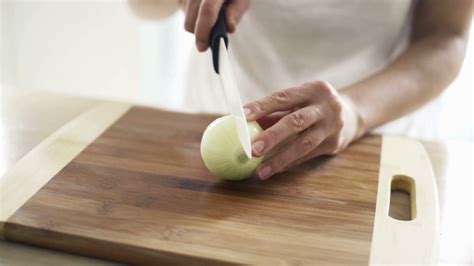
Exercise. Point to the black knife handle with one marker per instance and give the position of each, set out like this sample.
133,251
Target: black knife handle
218,31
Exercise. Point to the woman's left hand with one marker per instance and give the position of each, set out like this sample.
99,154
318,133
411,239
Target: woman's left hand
314,117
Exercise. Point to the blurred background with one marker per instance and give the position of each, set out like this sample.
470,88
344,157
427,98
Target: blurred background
101,49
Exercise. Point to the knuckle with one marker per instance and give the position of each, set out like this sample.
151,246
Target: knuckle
208,8
325,84
258,106
323,87
296,121
317,113
307,144
309,87
281,97
318,83
279,163
272,136
308,84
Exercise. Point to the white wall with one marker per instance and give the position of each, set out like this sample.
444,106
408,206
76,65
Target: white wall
94,48
165,48
457,114
75,47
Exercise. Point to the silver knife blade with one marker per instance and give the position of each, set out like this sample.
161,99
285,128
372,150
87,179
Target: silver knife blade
234,102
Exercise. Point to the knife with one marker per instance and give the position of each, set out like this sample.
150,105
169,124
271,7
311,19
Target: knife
218,42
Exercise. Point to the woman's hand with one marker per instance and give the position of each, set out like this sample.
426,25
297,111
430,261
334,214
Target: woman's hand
201,15
312,118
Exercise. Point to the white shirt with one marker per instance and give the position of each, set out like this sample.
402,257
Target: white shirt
281,44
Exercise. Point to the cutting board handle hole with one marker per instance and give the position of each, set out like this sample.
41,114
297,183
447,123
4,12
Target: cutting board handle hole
402,198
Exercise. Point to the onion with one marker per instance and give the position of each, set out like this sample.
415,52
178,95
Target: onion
222,152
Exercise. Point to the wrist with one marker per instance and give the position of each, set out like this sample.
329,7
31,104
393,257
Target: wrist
354,117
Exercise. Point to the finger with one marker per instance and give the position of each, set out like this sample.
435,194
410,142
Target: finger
192,8
303,145
316,153
289,125
319,151
234,12
207,17
278,101
327,147
269,120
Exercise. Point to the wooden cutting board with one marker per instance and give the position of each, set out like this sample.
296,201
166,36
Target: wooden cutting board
128,184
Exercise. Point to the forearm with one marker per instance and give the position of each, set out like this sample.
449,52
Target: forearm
420,74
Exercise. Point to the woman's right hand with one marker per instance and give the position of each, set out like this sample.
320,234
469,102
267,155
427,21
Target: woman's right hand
201,15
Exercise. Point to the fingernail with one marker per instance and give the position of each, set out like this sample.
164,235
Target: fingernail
201,46
264,173
247,111
258,146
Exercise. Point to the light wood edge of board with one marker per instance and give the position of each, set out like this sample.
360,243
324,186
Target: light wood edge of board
416,241
44,161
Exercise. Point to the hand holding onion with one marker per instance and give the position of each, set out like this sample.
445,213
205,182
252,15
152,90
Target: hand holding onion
309,120
300,123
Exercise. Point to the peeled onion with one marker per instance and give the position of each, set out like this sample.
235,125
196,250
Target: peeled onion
222,152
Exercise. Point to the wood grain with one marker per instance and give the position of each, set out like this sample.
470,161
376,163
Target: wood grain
140,192
55,152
